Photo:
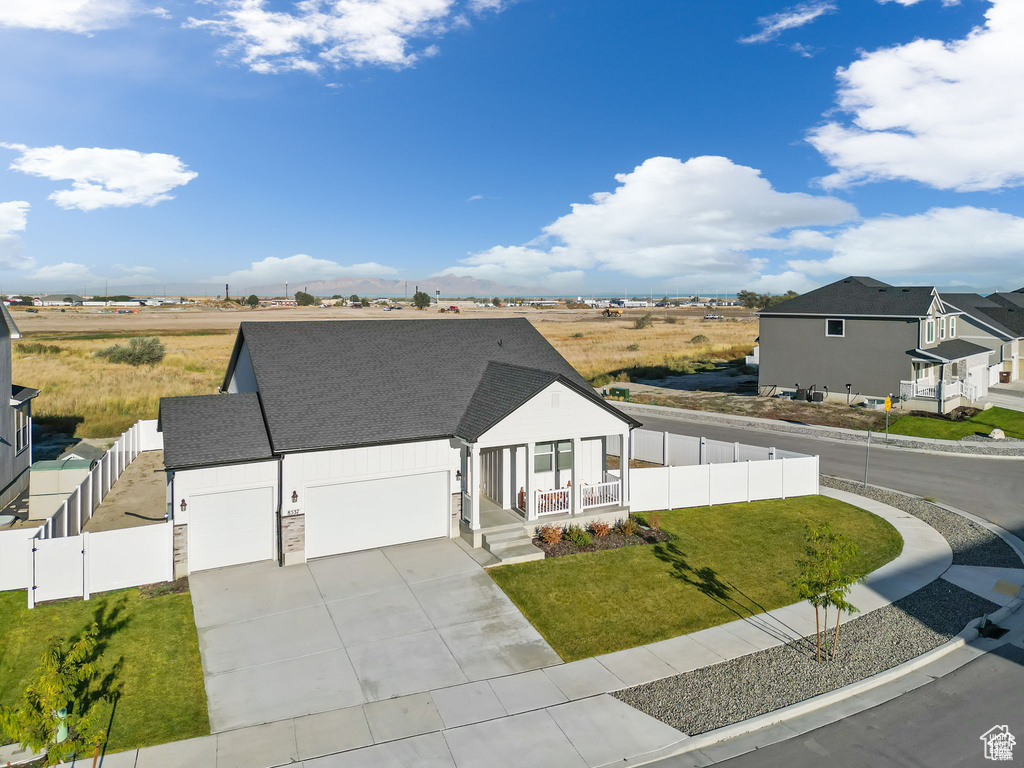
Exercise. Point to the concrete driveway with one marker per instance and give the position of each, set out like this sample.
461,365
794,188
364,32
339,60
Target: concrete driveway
279,643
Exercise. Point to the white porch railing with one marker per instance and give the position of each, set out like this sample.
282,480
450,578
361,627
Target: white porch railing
599,495
931,390
552,502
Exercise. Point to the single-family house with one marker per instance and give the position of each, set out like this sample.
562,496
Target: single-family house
997,327
15,419
862,339
58,300
338,436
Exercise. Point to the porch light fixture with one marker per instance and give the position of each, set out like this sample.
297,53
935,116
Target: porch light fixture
184,505
458,474
295,497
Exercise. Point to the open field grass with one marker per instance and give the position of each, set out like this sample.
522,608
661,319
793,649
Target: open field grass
151,640
723,562
1011,422
91,397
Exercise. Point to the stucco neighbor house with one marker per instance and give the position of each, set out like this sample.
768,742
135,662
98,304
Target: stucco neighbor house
338,436
15,419
861,339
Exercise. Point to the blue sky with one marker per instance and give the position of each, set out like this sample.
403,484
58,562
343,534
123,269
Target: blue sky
563,145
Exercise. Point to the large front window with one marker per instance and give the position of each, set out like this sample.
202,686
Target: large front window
21,428
548,456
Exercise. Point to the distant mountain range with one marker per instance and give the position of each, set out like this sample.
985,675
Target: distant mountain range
448,285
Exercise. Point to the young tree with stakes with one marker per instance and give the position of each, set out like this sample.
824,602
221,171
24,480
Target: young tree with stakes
825,577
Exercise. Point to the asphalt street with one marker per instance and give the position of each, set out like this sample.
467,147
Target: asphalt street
937,725
990,488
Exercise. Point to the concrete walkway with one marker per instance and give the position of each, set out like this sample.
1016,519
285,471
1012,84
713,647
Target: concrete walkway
557,716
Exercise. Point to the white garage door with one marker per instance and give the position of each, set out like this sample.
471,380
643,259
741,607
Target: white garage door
376,513
230,528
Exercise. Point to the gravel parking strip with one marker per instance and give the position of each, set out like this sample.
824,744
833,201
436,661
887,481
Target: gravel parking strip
748,686
971,543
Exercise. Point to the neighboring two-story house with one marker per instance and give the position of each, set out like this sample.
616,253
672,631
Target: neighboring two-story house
15,419
860,339
995,326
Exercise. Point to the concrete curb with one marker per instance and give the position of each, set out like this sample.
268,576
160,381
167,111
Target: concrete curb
809,430
780,716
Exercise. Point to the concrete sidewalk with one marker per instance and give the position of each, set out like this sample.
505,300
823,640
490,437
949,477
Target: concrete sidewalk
560,715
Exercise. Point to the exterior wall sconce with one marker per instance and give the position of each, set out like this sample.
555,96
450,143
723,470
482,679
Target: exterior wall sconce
458,475
295,497
184,505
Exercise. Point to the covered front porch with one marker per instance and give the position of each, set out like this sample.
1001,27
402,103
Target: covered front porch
537,482
942,382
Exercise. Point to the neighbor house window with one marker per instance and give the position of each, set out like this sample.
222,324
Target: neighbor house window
929,331
942,327
952,327
21,434
835,327
543,457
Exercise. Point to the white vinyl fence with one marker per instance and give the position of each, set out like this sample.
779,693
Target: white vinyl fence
699,472
59,560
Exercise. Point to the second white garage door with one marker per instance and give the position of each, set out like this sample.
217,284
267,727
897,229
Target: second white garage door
376,513
230,528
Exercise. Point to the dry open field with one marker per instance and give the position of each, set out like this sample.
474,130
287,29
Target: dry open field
95,398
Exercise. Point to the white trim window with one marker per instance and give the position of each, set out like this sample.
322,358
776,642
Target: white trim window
929,331
21,428
952,327
835,327
942,328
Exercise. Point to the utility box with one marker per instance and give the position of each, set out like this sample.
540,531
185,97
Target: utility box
619,392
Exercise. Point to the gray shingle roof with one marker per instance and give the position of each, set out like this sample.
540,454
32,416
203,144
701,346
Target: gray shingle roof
1012,299
858,296
954,349
329,384
21,394
1009,317
502,389
979,308
212,429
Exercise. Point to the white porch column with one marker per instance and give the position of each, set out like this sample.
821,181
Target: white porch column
473,486
576,497
624,468
531,508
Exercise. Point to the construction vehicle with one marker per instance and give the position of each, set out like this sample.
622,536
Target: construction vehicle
611,312
452,309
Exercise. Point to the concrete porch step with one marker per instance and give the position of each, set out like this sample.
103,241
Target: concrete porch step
512,534
521,553
511,546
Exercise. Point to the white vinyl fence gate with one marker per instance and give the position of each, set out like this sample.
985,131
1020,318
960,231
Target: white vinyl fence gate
59,560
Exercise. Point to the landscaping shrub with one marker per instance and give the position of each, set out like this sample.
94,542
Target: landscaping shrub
600,529
700,338
139,351
644,322
633,348
600,381
549,534
628,527
577,536
654,522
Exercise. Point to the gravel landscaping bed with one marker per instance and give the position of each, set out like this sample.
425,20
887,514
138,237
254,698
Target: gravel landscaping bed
748,686
971,543
976,445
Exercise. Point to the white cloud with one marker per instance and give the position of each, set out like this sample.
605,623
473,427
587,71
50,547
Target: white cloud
13,218
948,114
694,222
103,178
939,242
80,16
66,273
797,16
335,33
298,268
915,2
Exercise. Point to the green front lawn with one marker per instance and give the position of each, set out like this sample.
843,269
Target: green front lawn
1011,422
150,642
723,563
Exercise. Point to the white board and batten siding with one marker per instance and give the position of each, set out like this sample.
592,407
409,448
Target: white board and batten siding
556,413
372,496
